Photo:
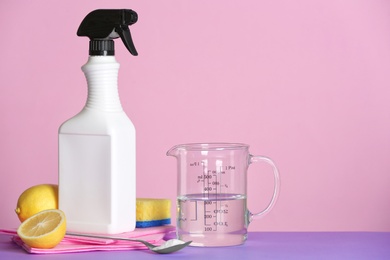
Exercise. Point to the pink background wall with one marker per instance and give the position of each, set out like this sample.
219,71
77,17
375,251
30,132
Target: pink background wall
303,82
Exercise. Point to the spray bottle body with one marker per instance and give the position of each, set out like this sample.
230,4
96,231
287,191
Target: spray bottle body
97,157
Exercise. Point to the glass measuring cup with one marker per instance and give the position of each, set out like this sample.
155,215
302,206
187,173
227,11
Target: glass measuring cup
212,192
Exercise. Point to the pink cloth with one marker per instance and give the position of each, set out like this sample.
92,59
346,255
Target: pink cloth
73,244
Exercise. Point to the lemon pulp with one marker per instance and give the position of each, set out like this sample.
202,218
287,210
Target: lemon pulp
45,229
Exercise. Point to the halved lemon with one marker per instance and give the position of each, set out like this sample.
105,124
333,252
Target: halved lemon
45,229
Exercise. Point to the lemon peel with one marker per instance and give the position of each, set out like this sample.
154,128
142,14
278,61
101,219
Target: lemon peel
35,199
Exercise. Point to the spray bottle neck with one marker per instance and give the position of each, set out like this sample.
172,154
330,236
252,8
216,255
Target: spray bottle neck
101,73
101,48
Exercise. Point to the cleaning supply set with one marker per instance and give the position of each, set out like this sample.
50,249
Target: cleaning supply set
97,185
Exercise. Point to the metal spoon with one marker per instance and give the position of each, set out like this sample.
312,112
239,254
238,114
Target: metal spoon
169,246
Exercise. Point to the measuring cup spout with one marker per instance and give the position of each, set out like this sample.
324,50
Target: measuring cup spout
174,151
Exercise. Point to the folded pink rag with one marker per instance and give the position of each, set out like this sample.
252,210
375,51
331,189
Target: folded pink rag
73,244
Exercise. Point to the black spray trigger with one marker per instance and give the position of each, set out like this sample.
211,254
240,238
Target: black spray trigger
102,26
124,33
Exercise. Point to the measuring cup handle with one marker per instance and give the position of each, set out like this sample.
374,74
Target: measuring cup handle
253,159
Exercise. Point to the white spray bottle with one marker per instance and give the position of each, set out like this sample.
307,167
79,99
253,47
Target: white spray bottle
97,153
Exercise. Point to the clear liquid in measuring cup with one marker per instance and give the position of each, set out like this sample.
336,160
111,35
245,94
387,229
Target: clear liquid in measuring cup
212,219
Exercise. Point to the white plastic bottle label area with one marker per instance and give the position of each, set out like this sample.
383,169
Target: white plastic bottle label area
78,169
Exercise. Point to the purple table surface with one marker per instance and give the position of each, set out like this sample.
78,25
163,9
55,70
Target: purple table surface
260,245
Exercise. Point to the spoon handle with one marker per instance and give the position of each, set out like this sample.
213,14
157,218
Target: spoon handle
113,238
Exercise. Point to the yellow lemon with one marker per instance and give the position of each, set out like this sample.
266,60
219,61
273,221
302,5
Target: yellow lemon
45,229
35,199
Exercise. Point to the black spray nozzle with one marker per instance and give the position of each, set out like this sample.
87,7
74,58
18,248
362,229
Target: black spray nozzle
107,24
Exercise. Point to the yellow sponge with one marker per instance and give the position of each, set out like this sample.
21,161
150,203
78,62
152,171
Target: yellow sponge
153,212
